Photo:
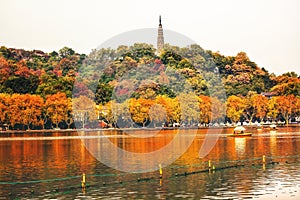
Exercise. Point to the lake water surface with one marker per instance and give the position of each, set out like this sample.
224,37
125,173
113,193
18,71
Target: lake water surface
50,165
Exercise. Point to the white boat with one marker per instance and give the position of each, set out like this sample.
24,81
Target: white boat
239,135
239,129
273,126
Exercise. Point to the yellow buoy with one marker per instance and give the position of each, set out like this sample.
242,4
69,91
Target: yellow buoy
83,180
209,164
264,159
160,171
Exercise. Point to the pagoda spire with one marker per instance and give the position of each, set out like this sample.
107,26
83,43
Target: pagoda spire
160,20
160,37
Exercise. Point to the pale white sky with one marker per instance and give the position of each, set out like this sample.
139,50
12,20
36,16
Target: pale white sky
267,30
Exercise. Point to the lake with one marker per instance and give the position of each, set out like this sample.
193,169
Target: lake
50,165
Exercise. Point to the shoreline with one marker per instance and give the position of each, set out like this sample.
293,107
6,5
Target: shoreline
132,129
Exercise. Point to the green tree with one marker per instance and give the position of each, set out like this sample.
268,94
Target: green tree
84,109
189,105
66,52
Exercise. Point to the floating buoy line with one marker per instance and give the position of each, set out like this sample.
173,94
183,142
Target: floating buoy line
209,167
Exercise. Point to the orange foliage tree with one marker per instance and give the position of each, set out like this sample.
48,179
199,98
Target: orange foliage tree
205,109
3,108
218,109
260,105
15,106
256,106
5,70
57,107
31,110
287,106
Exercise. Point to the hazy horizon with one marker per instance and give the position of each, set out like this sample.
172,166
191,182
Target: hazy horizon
268,31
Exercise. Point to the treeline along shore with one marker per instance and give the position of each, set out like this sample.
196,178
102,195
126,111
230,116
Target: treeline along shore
42,90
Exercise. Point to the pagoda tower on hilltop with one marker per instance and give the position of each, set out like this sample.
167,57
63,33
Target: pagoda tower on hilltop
160,37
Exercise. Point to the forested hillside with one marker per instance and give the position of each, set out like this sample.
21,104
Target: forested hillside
140,78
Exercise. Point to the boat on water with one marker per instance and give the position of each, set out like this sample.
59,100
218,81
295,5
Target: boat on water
239,134
239,131
273,127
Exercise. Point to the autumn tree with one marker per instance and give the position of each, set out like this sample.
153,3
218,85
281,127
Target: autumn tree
288,83
211,109
157,114
110,112
70,117
218,109
272,106
235,108
256,106
287,106
139,109
205,109
5,70
32,106
122,114
84,109
14,114
57,108
189,106
3,108
171,106
260,106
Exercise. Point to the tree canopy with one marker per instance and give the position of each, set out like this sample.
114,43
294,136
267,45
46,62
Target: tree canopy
149,87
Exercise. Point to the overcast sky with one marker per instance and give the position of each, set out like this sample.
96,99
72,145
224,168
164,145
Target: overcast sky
267,30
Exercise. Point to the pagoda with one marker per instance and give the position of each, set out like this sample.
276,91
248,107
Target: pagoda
160,37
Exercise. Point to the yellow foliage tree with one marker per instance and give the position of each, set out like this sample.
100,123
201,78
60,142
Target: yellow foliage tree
84,109
235,108
171,106
189,105
139,109
272,108
57,108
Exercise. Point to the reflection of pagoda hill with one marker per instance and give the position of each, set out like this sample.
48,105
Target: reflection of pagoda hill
286,146
125,141
240,145
134,144
273,143
33,156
